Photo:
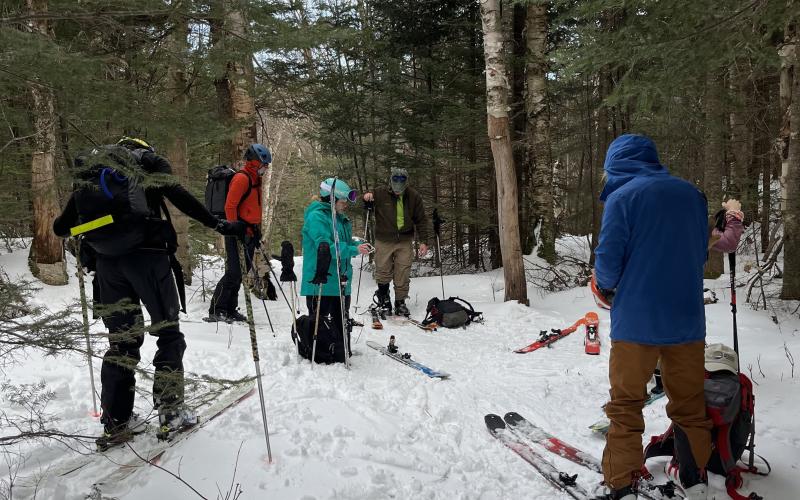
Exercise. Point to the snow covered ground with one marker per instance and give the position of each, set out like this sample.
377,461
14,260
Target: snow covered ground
382,430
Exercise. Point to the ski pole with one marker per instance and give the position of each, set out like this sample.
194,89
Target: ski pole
361,268
339,273
258,284
85,314
437,228
254,345
316,327
732,264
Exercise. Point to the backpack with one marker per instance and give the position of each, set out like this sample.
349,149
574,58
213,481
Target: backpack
450,314
730,404
330,348
218,182
109,181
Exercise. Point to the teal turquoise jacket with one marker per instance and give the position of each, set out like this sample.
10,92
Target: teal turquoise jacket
316,229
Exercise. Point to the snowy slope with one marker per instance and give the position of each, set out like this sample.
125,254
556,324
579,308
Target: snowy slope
382,430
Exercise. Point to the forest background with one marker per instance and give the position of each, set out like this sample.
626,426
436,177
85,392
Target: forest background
353,88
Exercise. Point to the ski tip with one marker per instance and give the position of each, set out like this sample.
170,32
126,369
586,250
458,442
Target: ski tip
494,422
513,418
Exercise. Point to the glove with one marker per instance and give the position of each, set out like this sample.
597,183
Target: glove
323,264
437,222
287,262
231,228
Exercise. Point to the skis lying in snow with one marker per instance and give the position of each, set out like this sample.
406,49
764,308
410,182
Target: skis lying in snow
406,360
154,453
560,480
430,327
591,342
546,339
602,425
518,434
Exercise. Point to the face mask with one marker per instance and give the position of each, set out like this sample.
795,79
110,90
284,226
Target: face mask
262,171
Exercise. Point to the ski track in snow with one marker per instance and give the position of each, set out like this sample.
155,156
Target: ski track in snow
382,430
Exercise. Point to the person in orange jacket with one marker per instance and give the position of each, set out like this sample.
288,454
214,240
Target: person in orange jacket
243,203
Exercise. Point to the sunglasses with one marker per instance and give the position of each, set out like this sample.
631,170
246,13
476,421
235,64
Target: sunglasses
399,178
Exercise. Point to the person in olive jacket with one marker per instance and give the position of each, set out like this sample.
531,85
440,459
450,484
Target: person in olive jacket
399,211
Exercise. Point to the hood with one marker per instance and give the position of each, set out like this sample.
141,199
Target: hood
629,156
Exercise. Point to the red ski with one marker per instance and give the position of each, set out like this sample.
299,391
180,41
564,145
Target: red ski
592,341
545,338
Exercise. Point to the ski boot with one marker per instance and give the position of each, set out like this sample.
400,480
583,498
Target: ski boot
234,316
400,308
174,420
217,317
115,433
382,300
659,387
606,493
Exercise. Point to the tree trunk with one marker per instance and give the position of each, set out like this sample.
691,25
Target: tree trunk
497,90
46,256
791,210
714,160
741,141
538,130
177,150
235,86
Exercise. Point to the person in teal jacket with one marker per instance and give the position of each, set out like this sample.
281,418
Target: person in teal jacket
319,262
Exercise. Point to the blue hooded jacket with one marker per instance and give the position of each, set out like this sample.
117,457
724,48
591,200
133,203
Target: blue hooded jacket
652,247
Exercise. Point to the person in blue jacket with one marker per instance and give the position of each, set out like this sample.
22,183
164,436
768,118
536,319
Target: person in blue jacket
650,255
320,285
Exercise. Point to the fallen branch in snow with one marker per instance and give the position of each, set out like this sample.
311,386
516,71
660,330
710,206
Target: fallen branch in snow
176,476
789,356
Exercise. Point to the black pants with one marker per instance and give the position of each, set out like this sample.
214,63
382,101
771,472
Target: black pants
226,294
126,282
329,311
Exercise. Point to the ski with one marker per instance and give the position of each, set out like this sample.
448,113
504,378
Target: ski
406,360
430,327
533,432
544,340
602,425
376,318
526,430
154,454
591,343
560,480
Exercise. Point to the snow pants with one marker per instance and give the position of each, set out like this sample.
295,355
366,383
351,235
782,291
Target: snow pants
126,282
630,367
393,262
226,294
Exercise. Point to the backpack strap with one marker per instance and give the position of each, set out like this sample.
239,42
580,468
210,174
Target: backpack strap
473,314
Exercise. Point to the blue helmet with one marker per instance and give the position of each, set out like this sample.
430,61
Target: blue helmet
258,152
343,191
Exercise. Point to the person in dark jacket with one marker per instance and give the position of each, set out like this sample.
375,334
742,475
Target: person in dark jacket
243,203
399,211
134,267
651,251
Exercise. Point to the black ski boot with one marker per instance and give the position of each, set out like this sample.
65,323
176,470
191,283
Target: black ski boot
400,308
113,435
383,301
236,316
659,387
174,420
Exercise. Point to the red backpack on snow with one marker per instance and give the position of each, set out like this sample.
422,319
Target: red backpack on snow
730,404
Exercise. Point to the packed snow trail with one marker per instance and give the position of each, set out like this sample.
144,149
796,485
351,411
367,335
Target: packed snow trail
382,430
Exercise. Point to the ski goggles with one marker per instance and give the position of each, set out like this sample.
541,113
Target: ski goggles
399,178
351,196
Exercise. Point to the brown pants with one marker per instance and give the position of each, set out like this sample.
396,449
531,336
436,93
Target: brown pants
630,367
393,262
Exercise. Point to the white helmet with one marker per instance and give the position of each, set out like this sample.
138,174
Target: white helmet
721,357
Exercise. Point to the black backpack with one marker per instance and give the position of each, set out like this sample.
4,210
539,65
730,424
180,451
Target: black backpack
109,181
330,348
450,314
218,182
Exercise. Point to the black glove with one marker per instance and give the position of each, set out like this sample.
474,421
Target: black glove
323,264
437,222
287,262
369,205
720,220
231,228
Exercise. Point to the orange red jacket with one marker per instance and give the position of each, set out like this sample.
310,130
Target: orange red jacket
247,209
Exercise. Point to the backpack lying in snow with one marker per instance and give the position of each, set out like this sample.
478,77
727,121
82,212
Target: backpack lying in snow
450,314
730,405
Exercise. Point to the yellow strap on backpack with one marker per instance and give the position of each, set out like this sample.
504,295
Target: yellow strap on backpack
91,225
